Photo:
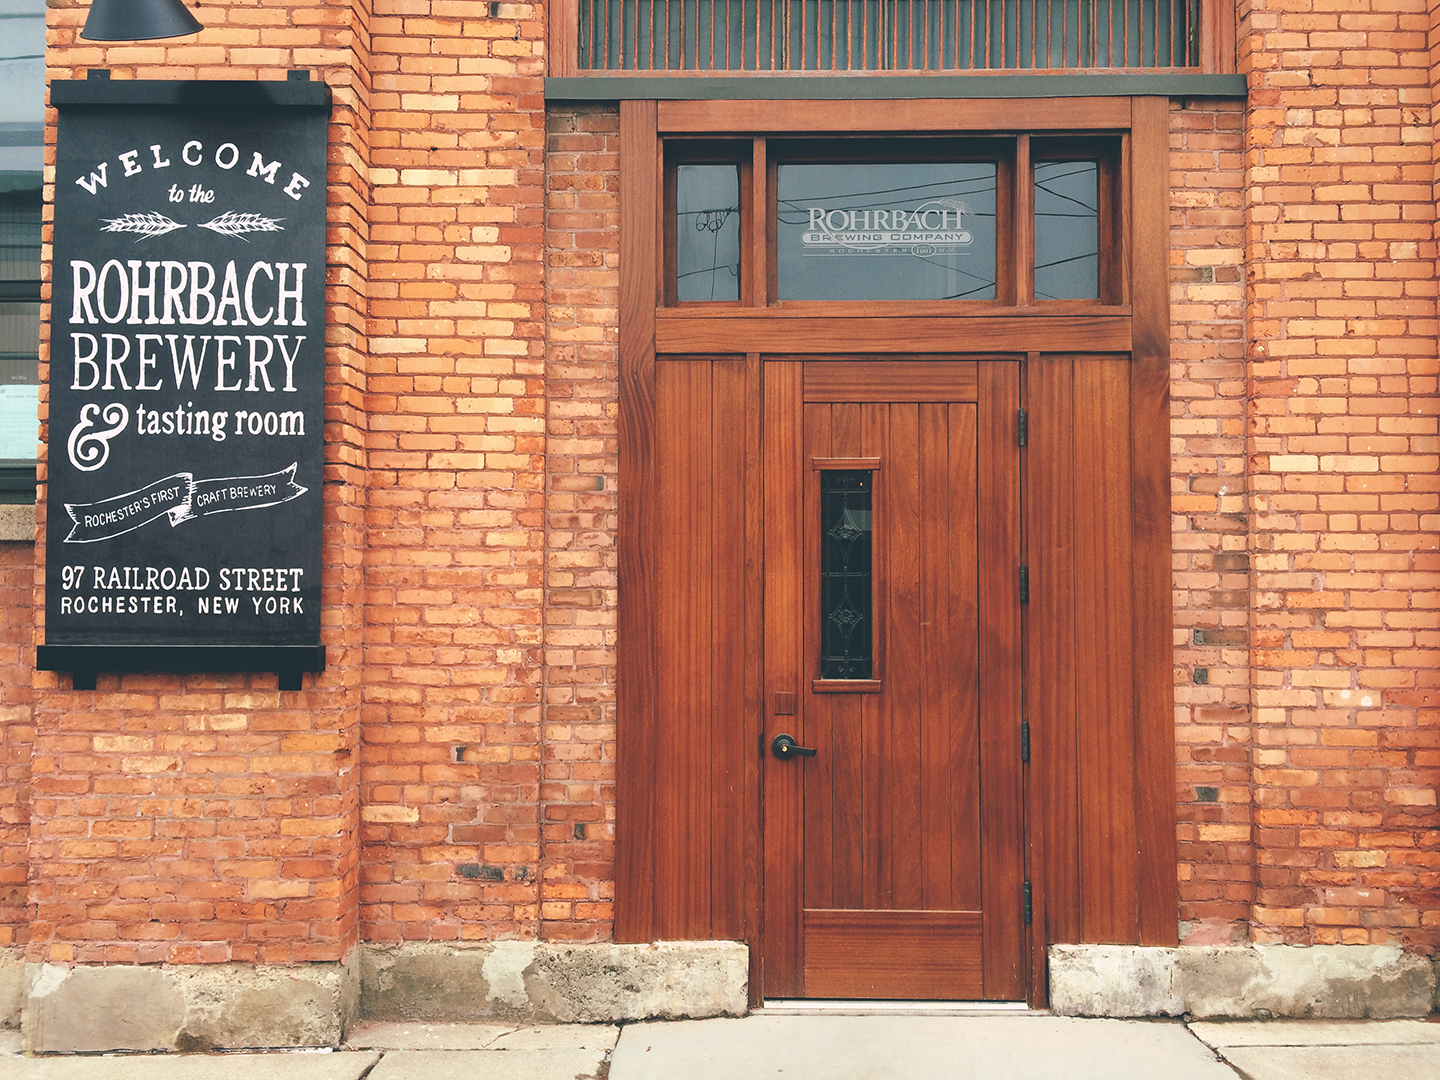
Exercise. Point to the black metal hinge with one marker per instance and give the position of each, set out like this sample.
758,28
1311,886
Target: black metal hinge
1024,428
1024,740
1029,909
1024,584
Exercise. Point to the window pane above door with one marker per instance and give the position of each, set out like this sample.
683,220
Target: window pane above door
707,232
1067,230
890,231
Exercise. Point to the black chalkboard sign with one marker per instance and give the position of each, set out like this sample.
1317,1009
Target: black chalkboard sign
187,347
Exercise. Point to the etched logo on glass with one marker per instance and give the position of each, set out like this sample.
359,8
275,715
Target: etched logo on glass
934,227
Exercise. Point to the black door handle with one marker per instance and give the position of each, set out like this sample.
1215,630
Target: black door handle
785,746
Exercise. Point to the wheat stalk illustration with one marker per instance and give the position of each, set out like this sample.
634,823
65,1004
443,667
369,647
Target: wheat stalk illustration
233,224
146,225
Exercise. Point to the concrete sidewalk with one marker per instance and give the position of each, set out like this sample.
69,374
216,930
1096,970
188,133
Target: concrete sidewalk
823,1047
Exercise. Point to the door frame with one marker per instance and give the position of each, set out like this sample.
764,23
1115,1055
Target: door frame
1139,328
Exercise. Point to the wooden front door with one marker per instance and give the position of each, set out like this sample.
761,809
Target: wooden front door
893,854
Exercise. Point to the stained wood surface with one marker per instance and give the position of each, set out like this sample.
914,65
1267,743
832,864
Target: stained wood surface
785,473
700,752
893,954
563,46
684,611
1052,798
1002,821
636,671
1105,695
680,331
1150,531
891,806
924,114
893,381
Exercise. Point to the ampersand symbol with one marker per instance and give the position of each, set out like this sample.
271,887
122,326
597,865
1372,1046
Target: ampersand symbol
89,452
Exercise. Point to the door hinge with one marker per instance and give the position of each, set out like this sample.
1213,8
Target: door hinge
1024,740
1029,908
1024,584
1024,428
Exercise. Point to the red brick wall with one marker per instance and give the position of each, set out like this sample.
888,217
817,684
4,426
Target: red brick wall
1211,560
582,284
470,523
1343,471
17,733
204,819
455,524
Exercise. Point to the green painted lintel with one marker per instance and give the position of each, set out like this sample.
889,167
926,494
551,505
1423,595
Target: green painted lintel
869,86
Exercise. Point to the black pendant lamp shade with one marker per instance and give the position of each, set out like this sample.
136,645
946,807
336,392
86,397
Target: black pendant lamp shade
138,20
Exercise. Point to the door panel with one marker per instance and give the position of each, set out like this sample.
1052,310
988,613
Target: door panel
906,846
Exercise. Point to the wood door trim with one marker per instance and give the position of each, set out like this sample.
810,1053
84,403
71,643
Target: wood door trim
1156,886
821,336
637,526
908,309
991,115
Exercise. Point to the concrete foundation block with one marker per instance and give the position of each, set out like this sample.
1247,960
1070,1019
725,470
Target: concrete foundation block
529,982
667,980
17,522
1241,982
1113,980
187,1008
1335,982
12,987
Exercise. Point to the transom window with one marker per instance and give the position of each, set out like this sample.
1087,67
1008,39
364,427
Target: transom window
886,35
904,219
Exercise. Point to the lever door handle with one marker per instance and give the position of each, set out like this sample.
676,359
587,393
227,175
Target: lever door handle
785,746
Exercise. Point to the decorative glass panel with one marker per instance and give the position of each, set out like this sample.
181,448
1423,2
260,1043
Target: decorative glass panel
707,232
920,231
1067,230
847,649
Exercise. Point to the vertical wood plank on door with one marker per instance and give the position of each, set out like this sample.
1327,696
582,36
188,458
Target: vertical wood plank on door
1050,486
636,674
818,719
751,730
847,780
1105,699
728,496
683,613
1003,822
962,703
937,770
878,874
1149,442
904,777
784,619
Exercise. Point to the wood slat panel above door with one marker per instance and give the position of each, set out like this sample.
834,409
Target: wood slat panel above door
900,380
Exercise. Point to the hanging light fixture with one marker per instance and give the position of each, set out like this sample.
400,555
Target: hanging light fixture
138,20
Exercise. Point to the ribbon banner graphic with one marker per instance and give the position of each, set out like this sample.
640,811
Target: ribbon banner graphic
180,497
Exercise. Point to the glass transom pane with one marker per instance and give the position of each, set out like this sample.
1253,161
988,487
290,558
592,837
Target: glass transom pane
1067,230
707,232
917,231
